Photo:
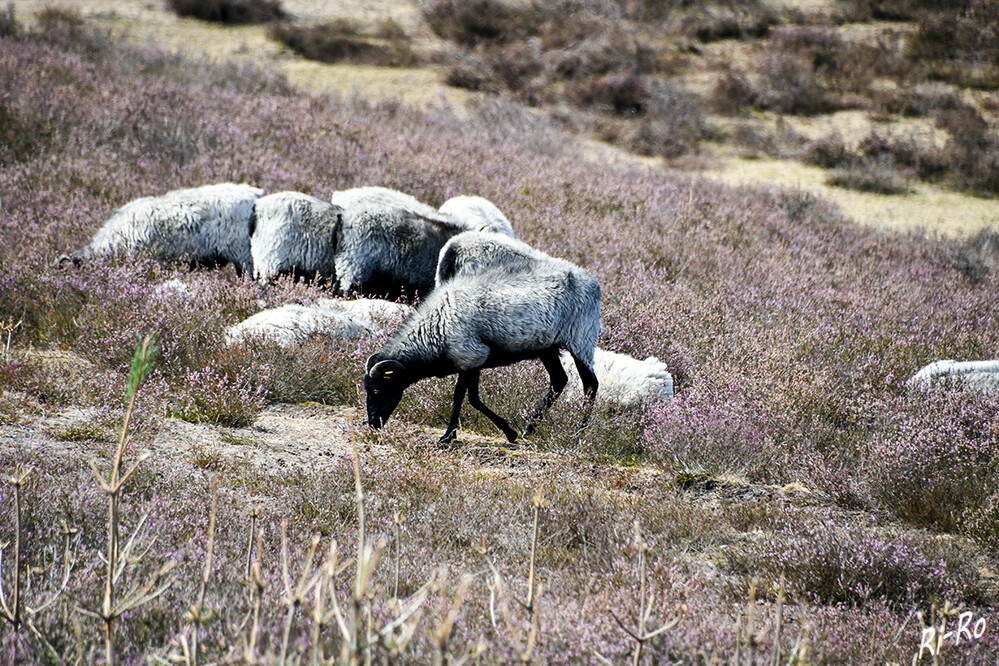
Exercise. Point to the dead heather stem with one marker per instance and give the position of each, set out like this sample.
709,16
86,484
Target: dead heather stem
295,596
7,327
640,634
16,611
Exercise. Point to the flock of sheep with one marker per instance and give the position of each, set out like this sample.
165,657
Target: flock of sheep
487,299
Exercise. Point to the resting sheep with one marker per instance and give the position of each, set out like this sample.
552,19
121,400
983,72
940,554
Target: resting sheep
490,319
625,380
294,233
331,319
207,225
981,376
389,242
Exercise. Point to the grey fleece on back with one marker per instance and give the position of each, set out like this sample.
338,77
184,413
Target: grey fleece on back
472,320
294,232
207,224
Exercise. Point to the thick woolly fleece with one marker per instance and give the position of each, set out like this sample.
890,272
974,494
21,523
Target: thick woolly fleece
207,225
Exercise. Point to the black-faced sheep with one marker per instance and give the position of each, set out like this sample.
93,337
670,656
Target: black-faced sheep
330,319
490,319
207,225
981,376
294,233
625,380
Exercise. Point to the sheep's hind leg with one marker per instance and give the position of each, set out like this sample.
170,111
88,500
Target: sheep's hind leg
473,399
590,384
460,387
558,381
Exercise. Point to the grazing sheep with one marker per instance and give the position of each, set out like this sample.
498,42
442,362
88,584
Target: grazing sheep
490,319
478,214
472,252
981,376
380,197
625,380
292,324
207,225
293,233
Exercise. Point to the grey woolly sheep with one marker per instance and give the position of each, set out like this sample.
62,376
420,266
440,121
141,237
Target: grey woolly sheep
981,376
472,252
478,214
389,242
294,233
625,380
207,225
490,319
331,319
380,196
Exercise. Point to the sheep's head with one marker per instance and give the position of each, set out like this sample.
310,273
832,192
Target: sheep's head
384,382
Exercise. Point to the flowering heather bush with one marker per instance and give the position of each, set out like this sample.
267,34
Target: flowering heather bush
932,465
212,397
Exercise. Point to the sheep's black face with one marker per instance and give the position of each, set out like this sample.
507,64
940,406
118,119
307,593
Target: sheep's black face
383,384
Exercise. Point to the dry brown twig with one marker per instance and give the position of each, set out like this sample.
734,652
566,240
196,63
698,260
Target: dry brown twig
16,611
640,634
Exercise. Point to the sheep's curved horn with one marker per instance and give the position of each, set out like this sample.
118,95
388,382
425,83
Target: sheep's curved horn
385,369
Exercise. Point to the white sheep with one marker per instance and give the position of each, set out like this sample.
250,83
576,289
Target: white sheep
330,319
294,233
625,380
981,376
489,319
389,242
478,214
207,225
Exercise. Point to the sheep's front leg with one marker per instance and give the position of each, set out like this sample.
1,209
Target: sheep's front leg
473,399
460,387
558,381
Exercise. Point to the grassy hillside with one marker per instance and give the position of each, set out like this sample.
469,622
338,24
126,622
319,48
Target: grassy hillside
793,477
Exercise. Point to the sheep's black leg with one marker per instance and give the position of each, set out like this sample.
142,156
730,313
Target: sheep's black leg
590,384
459,396
473,399
558,381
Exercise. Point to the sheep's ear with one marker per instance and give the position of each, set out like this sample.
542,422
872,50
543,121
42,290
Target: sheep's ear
386,370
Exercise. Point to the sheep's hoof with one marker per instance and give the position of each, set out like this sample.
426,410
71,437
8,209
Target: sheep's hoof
448,437
511,436
528,431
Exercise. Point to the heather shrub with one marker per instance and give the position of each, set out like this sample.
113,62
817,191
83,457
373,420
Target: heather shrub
788,83
729,20
828,152
877,175
933,465
472,23
343,41
10,27
209,395
859,564
958,43
230,12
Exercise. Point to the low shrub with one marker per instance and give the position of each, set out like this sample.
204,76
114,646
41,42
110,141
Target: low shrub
871,175
935,463
210,395
230,12
343,41
854,565
480,21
